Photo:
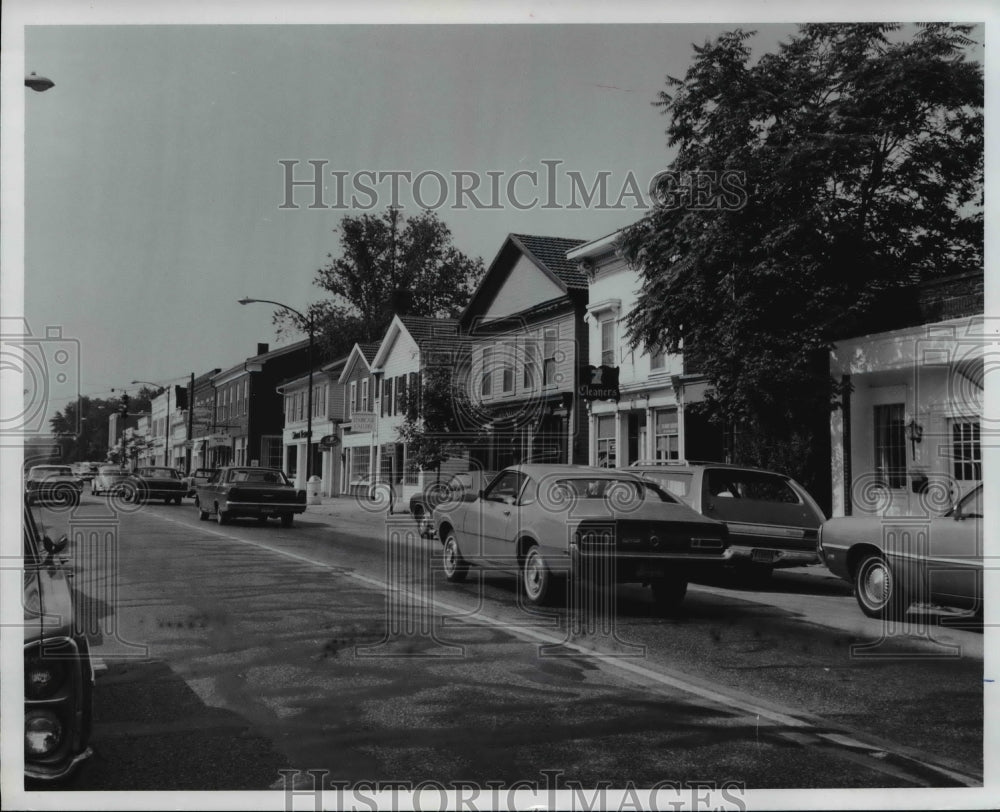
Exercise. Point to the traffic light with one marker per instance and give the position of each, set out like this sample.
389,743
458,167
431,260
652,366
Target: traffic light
123,409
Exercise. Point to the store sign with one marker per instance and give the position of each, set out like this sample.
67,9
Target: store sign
599,383
329,441
362,422
300,435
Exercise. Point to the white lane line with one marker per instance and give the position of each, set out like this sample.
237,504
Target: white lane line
777,717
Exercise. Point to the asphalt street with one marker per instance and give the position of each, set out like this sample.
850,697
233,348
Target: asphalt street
230,653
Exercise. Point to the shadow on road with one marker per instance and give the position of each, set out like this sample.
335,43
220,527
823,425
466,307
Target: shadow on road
152,732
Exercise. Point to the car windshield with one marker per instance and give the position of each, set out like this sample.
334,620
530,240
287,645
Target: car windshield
52,470
269,477
110,469
159,473
613,489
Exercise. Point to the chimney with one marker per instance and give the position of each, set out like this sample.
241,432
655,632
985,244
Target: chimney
261,348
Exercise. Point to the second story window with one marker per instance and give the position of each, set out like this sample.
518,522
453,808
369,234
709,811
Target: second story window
364,395
530,363
549,356
657,360
486,384
352,394
507,380
608,342
246,395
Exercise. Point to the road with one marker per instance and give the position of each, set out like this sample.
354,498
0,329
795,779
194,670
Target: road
230,653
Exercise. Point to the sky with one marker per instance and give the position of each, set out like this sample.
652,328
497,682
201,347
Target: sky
154,190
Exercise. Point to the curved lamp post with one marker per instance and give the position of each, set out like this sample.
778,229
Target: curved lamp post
38,83
309,395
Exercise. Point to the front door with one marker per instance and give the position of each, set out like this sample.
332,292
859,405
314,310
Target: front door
497,517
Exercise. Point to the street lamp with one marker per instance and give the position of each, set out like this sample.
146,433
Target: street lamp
309,395
38,83
166,429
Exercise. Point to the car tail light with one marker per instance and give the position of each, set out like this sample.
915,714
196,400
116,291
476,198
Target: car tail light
43,733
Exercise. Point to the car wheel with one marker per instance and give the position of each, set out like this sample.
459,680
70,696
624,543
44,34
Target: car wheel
668,593
536,577
877,589
287,519
202,514
455,567
167,500
221,516
129,493
177,500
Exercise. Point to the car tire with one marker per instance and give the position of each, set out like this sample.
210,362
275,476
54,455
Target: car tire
668,593
455,567
177,500
221,516
877,589
536,577
202,514
167,500
287,519
129,493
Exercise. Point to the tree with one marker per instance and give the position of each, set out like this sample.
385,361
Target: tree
435,427
388,264
847,165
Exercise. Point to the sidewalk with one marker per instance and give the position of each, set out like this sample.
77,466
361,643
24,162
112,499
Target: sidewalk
357,515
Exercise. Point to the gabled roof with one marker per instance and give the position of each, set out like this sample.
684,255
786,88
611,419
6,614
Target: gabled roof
423,330
550,253
365,353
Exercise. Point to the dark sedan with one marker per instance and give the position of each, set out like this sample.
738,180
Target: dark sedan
154,483
262,493
58,674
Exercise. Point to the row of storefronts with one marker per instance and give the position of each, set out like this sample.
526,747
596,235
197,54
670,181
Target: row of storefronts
546,373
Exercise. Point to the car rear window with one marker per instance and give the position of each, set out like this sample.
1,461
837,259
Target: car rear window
759,486
675,484
625,490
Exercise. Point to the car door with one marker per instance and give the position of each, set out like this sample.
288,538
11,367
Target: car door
495,509
955,565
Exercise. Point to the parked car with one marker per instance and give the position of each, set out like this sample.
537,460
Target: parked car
199,476
547,522
895,561
153,482
460,487
237,491
52,484
772,520
108,479
58,674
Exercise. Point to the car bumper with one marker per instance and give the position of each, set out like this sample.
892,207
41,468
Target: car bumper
46,772
263,508
639,567
770,556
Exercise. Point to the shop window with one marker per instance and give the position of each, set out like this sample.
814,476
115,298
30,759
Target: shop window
666,437
607,445
966,452
890,445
